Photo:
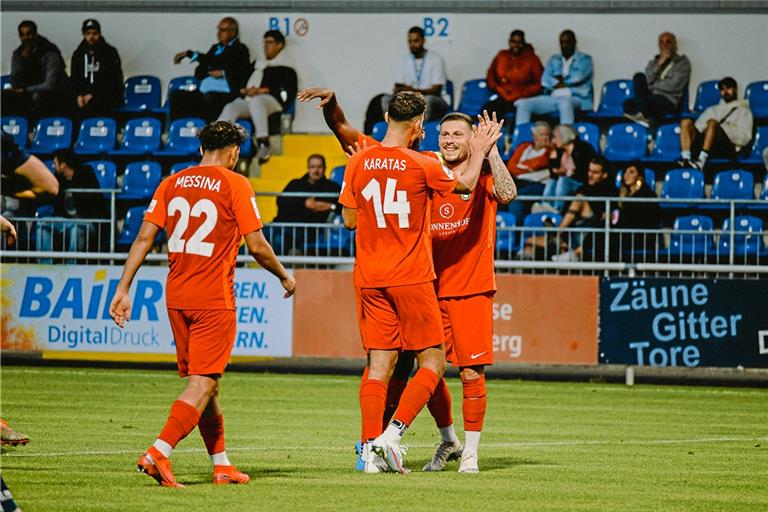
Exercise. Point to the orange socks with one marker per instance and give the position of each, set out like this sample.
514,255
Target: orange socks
373,397
416,395
395,390
212,431
474,403
440,405
181,421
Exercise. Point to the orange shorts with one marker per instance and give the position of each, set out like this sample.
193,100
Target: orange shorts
400,317
204,339
468,324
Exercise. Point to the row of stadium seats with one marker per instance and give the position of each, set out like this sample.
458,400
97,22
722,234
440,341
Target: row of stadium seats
99,136
475,94
624,142
693,235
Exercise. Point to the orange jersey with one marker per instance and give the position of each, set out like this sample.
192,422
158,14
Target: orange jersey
463,240
391,188
205,210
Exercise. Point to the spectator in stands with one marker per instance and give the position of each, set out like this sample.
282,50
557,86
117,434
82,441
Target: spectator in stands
635,215
529,166
269,89
97,74
569,162
307,209
514,74
423,71
39,83
567,82
72,174
222,72
660,89
720,131
587,213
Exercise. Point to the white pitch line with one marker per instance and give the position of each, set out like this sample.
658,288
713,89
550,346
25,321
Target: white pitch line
521,444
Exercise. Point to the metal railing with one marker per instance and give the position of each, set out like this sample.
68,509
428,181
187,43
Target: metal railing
598,249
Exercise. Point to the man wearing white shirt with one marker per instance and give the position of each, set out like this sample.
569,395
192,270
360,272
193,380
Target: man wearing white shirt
423,71
263,95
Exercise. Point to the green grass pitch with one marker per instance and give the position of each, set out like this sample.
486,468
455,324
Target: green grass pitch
546,446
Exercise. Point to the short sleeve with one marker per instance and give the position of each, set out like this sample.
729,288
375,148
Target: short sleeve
347,197
156,211
244,205
439,177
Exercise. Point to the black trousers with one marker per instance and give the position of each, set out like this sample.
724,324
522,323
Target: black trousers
652,106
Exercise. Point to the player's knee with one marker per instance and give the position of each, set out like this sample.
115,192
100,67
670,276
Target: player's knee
471,373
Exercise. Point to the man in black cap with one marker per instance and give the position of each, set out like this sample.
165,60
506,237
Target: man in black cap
720,131
97,74
39,83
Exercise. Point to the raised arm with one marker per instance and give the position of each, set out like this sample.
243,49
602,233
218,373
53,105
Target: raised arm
334,116
40,178
484,138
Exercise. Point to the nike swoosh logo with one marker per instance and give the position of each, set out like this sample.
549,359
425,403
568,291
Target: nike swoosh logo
475,356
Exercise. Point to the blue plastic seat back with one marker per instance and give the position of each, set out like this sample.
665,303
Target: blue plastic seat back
474,94
246,149
52,133
142,135
590,133
648,174
626,141
747,237
538,220
699,241
97,135
180,166
733,184
142,92
522,133
379,130
448,91
759,143
667,142
182,136
5,82
106,173
18,128
757,95
181,83
505,238
131,225
431,140
683,184
613,95
337,174
707,94
140,180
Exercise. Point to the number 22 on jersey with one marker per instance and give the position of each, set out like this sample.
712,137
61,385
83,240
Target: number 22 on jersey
400,206
195,243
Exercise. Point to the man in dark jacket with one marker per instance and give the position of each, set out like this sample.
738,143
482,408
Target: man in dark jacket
39,83
222,72
97,74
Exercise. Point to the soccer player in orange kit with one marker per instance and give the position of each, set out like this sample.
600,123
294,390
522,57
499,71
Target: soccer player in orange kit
207,210
463,237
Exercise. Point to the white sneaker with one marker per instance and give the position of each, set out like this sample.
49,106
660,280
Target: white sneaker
391,452
372,462
445,452
565,257
263,153
468,463
543,208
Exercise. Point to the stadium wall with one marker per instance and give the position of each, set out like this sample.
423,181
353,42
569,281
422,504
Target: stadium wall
61,312
356,53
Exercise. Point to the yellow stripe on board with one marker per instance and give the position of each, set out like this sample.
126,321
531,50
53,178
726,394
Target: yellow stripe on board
130,357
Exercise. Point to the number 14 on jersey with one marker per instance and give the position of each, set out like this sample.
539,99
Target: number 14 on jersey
391,206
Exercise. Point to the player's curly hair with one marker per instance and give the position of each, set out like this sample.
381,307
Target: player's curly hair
221,134
406,105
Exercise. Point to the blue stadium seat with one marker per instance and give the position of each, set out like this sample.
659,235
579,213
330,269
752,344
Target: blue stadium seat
140,180
747,238
49,165
379,130
589,132
45,210
448,91
337,174
52,133
707,94
246,150
182,138
506,239
734,184
141,136
538,220
612,97
474,94
759,143
97,135
682,184
142,93
648,174
180,166
332,240
763,197
18,128
626,142
431,140
131,225
757,95
666,147
5,82
701,243
521,133
106,173
180,83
